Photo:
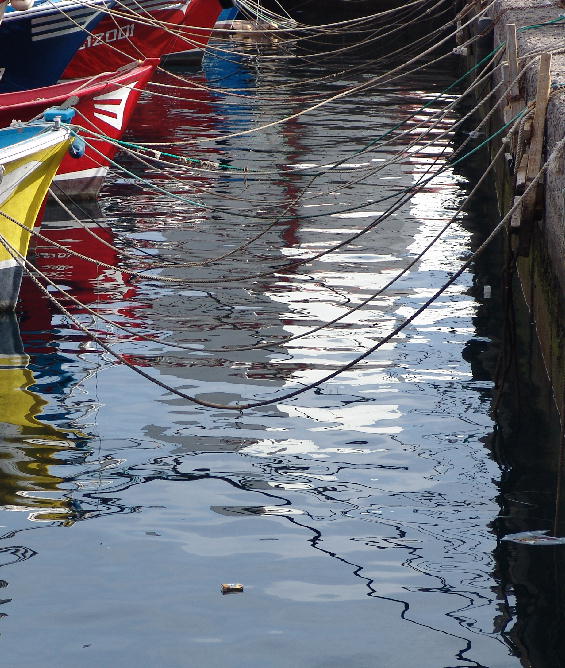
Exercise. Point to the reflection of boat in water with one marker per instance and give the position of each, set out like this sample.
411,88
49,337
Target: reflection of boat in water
30,154
29,448
89,235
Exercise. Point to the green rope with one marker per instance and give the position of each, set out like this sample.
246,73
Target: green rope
488,139
560,18
196,161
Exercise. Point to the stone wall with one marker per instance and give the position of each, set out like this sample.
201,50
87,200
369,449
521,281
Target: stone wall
542,269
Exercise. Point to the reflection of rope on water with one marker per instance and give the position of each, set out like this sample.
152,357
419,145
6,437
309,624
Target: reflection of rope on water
289,266
24,263
199,165
396,158
285,267
348,312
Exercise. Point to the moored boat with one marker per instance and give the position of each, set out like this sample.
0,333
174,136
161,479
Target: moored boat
48,35
103,105
181,54
193,40
30,154
144,29
227,17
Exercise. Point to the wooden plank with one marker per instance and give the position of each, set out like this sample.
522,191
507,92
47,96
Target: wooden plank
513,69
535,154
521,175
516,217
515,102
538,123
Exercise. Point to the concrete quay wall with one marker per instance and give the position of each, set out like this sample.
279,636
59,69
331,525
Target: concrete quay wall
541,263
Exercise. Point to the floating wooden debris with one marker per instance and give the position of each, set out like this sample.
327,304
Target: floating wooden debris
534,538
232,588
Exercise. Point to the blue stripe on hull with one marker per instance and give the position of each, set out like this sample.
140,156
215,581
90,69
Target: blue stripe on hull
47,46
11,136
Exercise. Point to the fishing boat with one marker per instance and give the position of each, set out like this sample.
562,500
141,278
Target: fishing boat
227,17
144,29
103,104
30,154
36,45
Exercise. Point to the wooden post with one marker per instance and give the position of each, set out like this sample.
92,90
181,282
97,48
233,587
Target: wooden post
535,155
538,124
507,113
513,70
514,102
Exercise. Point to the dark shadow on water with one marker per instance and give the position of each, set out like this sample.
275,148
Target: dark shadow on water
530,579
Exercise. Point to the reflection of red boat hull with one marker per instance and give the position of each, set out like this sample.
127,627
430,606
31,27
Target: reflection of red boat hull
88,281
118,41
104,105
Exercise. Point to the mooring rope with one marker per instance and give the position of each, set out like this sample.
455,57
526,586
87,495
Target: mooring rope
294,264
276,343
246,405
286,266
365,85
298,198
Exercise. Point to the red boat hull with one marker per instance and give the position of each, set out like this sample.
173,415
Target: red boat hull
118,41
105,105
193,39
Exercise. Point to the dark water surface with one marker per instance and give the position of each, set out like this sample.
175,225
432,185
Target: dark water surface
362,518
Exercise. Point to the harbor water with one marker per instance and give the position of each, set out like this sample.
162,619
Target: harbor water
364,517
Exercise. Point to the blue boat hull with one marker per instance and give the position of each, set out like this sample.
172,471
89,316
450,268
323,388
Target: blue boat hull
37,45
227,15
